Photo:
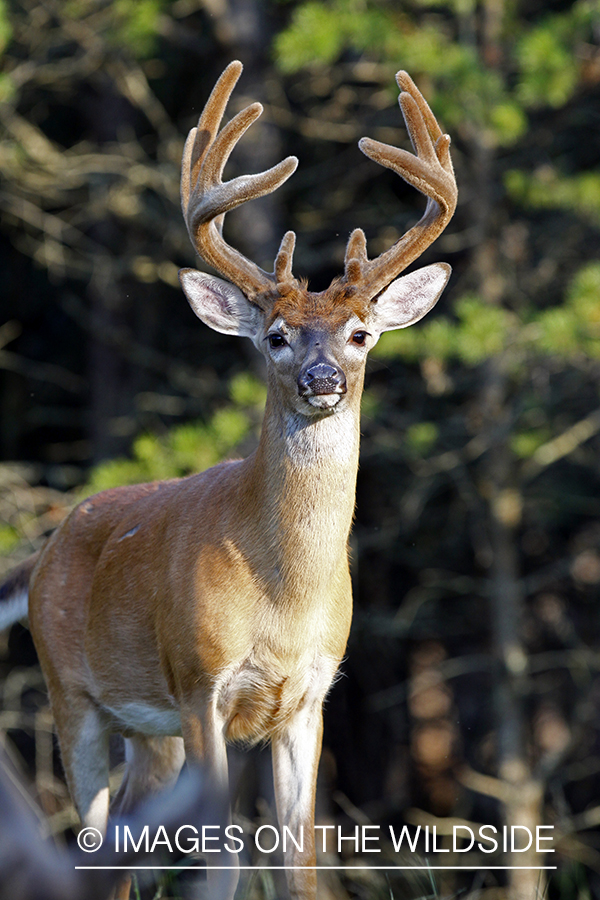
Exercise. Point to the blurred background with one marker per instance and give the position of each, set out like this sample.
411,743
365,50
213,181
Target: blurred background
471,689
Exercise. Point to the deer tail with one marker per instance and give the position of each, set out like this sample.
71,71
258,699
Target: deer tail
14,592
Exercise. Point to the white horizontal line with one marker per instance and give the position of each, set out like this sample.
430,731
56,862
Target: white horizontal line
326,868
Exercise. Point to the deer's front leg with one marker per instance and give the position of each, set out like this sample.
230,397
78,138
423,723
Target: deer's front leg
204,742
295,761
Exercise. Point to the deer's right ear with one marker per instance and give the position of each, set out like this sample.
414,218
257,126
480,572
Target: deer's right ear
219,304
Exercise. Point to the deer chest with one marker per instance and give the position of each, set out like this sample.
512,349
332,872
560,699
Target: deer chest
258,698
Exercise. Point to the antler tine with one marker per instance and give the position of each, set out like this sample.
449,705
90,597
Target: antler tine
429,171
283,260
205,198
407,85
200,138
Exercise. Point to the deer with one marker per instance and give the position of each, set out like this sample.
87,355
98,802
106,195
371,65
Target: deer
216,608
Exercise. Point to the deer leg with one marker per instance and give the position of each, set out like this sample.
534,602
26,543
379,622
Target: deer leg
83,738
295,763
204,741
153,764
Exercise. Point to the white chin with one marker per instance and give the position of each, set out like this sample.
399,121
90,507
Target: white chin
324,401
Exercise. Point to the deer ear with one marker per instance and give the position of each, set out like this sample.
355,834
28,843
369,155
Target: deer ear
410,297
219,304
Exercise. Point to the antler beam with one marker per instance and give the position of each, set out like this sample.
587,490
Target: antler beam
429,171
205,198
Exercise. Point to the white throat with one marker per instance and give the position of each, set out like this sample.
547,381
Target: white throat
327,439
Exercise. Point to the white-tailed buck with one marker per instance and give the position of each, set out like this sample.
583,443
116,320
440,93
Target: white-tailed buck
217,607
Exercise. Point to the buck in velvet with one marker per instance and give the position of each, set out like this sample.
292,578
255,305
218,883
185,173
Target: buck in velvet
214,608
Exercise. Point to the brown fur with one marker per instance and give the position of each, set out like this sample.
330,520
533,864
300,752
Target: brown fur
204,599
299,306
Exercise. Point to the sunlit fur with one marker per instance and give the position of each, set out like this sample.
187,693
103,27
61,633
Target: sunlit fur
299,306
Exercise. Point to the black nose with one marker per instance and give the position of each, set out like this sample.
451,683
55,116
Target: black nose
322,379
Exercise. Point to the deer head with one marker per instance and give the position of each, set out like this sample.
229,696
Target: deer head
315,344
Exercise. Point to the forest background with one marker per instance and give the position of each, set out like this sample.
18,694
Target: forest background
471,689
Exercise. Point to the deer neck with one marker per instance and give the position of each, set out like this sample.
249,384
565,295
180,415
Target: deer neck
305,472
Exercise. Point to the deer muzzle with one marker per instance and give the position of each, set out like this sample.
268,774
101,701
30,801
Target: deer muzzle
321,378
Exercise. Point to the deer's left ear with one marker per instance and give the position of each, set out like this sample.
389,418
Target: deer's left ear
219,304
410,297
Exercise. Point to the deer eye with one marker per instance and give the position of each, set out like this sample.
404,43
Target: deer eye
359,337
275,341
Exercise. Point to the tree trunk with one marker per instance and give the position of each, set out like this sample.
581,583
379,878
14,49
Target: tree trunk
523,793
